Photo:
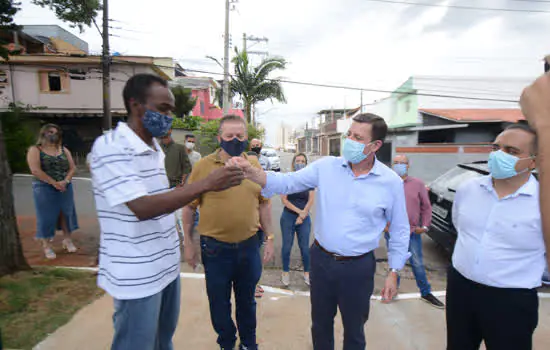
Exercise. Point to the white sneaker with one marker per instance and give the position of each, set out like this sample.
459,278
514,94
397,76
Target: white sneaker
306,279
285,278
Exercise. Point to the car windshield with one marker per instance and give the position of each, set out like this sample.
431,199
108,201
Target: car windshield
448,183
270,153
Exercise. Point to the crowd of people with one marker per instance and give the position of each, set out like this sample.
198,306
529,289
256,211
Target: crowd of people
140,182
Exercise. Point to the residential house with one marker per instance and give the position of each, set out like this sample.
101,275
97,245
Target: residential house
307,141
204,90
65,87
330,136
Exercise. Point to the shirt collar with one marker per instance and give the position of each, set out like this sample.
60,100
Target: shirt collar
135,141
375,168
530,188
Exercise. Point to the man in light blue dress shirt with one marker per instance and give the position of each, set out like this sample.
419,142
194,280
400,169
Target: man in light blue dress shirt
356,196
499,256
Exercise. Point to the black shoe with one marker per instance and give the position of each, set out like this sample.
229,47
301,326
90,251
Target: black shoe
430,299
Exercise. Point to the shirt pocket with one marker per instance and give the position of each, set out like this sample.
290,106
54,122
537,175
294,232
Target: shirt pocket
522,233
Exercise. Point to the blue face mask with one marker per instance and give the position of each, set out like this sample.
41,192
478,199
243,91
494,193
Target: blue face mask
400,169
503,165
353,151
234,147
156,123
299,166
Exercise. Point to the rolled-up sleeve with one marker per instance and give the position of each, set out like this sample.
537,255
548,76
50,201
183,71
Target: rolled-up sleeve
293,182
399,230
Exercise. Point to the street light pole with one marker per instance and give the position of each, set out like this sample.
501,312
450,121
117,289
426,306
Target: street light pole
106,70
226,98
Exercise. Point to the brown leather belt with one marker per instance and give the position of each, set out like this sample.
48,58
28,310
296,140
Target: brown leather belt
340,257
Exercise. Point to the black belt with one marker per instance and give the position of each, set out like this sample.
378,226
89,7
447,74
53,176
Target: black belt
340,257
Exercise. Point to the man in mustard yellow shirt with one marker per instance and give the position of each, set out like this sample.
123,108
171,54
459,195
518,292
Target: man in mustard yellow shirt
230,247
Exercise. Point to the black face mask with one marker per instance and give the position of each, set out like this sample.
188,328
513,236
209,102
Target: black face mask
256,150
234,147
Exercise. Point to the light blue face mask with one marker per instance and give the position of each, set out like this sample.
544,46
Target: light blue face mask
400,169
299,166
353,151
503,165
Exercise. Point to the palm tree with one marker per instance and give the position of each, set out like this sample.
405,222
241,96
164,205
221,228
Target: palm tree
253,83
184,101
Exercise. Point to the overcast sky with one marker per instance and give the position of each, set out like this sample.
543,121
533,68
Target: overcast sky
359,43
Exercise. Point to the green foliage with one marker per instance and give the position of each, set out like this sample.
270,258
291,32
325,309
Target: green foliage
78,13
18,137
253,84
208,133
184,101
191,122
8,9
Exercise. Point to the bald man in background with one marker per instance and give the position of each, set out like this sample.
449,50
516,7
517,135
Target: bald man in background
419,210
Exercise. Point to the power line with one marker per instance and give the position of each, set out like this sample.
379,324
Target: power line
303,83
540,1
460,7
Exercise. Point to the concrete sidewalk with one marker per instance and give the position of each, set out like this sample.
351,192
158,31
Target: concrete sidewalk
283,323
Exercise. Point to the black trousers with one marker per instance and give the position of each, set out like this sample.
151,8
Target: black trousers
343,284
504,318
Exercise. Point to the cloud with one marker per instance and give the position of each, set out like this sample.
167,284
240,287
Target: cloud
356,43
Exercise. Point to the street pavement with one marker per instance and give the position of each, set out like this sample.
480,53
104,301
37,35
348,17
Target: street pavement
283,323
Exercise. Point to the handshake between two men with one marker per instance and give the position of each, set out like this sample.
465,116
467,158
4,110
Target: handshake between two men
235,171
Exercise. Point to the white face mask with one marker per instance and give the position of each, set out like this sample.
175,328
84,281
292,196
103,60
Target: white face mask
190,145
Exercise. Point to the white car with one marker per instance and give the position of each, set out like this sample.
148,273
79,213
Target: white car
274,160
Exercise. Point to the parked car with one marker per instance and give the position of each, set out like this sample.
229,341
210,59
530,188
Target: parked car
274,160
442,192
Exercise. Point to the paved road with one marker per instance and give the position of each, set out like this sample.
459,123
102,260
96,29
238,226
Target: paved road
435,259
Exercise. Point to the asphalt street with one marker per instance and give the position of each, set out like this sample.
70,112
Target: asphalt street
435,259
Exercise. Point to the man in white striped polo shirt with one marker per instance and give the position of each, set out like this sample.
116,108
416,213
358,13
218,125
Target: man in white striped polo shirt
139,260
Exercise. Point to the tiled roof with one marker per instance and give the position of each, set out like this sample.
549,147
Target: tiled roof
477,115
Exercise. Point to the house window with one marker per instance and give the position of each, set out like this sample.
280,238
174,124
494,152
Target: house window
3,78
202,107
54,82
407,106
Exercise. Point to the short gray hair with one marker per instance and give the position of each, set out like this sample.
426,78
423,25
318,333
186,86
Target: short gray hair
232,118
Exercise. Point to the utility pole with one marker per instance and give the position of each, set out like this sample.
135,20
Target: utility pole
361,102
255,39
226,98
106,70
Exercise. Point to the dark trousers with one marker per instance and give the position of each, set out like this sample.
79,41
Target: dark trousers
234,266
504,318
343,284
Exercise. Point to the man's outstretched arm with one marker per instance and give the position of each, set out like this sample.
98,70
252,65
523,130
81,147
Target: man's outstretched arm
535,104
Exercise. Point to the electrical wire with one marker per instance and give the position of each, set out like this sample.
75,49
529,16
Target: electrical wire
311,84
304,83
459,7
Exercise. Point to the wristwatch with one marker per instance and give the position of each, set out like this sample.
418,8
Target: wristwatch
425,228
395,270
270,237
67,181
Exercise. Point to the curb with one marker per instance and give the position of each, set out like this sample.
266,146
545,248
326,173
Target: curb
280,291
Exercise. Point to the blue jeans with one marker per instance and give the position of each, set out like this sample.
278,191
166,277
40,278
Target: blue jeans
288,227
237,266
417,264
50,204
148,323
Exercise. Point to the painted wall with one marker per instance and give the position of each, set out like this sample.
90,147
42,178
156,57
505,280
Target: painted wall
401,109
209,111
81,96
